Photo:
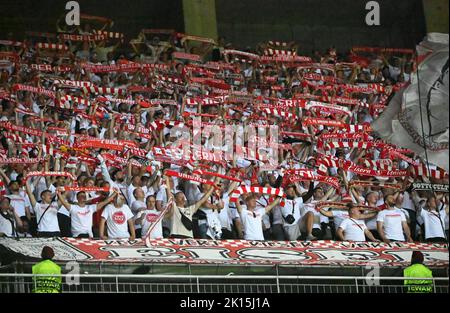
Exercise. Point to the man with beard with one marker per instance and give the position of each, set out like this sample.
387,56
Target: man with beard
182,214
391,222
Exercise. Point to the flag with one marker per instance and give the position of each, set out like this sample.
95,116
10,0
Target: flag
401,122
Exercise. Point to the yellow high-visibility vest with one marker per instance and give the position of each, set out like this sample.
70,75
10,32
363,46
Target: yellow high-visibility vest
418,286
47,284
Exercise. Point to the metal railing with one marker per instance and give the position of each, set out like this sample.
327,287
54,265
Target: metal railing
109,283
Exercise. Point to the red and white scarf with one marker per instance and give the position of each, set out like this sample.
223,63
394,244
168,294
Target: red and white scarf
293,176
20,160
38,90
75,37
51,174
51,46
189,177
111,144
374,184
202,172
104,90
84,188
421,170
234,197
326,161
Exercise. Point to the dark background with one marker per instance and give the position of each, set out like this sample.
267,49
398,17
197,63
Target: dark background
321,23
129,16
315,24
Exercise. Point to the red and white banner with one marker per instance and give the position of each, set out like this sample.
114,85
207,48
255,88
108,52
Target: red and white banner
238,252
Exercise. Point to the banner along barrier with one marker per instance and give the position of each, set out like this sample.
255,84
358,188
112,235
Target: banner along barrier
197,251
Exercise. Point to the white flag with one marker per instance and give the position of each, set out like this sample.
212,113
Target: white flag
401,123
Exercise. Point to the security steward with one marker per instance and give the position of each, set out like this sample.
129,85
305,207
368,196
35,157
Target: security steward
47,284
417,269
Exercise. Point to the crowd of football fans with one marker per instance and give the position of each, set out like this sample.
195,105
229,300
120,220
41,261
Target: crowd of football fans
90,122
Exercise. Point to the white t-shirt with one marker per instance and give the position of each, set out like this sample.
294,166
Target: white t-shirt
392,223
130,196
6,227
292,207
311,207
408,202
49,222
394,71
116,221
150,216
177,226
18,202
339,216
137,205
353,229
433,226
81,219
252,224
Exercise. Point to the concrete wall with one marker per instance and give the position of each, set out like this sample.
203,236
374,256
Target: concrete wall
318,24
200,18
436,15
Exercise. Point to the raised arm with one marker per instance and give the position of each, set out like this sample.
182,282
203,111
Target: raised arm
102,204
232,186
356,195
310,192
326,213
273,204
206,196
328,194
168,191
366,216
4,177
63,200
30,194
